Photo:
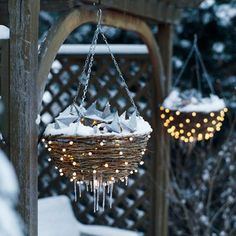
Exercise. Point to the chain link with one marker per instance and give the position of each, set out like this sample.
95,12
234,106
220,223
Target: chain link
120,73
89,63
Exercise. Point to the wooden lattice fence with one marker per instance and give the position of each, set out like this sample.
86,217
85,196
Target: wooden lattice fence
133,206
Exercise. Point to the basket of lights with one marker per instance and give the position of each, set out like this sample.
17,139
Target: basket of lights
190,117
103,145
93,147
97,149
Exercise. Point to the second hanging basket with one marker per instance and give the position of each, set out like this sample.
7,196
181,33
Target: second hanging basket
188,115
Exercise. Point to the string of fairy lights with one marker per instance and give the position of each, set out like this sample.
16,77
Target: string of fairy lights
192,126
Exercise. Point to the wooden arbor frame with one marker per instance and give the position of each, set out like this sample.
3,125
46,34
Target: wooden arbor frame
49,49
24,92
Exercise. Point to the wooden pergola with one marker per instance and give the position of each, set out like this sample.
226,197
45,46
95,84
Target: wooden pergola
25,73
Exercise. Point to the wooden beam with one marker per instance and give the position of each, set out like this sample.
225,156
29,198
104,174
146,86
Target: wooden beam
153,10
165,41
4,88
165,11
23,105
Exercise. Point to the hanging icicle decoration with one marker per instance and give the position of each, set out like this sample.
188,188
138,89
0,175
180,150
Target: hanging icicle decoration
95,148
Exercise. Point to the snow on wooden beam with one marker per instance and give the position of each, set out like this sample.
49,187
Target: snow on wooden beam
123,49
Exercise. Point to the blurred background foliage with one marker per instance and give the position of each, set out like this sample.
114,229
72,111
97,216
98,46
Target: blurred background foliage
202,191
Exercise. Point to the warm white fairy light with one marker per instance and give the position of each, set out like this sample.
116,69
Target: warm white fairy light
141,163
94,171
194,114
90,153
121,153
74,173
117,171
43,140
198,125
49,142
74,163
131,172
142,152
46,146
101,143
135,170
60,170
71,142
56,167
131,139
187,121
163,116
106,165
49,159
61,158
63,150
126,163
177,113
49,149
61,174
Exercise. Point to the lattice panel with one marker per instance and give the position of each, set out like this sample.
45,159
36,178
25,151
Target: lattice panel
132,204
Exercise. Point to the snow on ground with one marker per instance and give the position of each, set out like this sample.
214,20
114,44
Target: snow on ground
10,223
191,100
4,32
53,223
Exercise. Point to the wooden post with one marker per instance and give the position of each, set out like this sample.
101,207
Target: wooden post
4,84
163,148
23,18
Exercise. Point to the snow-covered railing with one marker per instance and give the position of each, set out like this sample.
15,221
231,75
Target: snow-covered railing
71,49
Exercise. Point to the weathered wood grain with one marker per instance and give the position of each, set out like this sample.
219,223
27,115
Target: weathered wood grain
22,104
164,11
165,41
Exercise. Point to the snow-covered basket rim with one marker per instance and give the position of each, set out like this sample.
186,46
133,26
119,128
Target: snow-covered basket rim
190,101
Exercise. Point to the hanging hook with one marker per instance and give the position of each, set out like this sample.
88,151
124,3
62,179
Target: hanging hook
99,15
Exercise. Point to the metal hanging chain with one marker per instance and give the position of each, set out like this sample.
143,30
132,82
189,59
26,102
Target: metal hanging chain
90,60
205,73
197,67
184,66
120,73
198,57
88,63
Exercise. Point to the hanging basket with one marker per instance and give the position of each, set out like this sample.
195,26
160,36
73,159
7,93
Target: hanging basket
93,147
191,125
187,115
110,157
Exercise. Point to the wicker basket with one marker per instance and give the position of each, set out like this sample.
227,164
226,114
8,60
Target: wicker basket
111,157
192,126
